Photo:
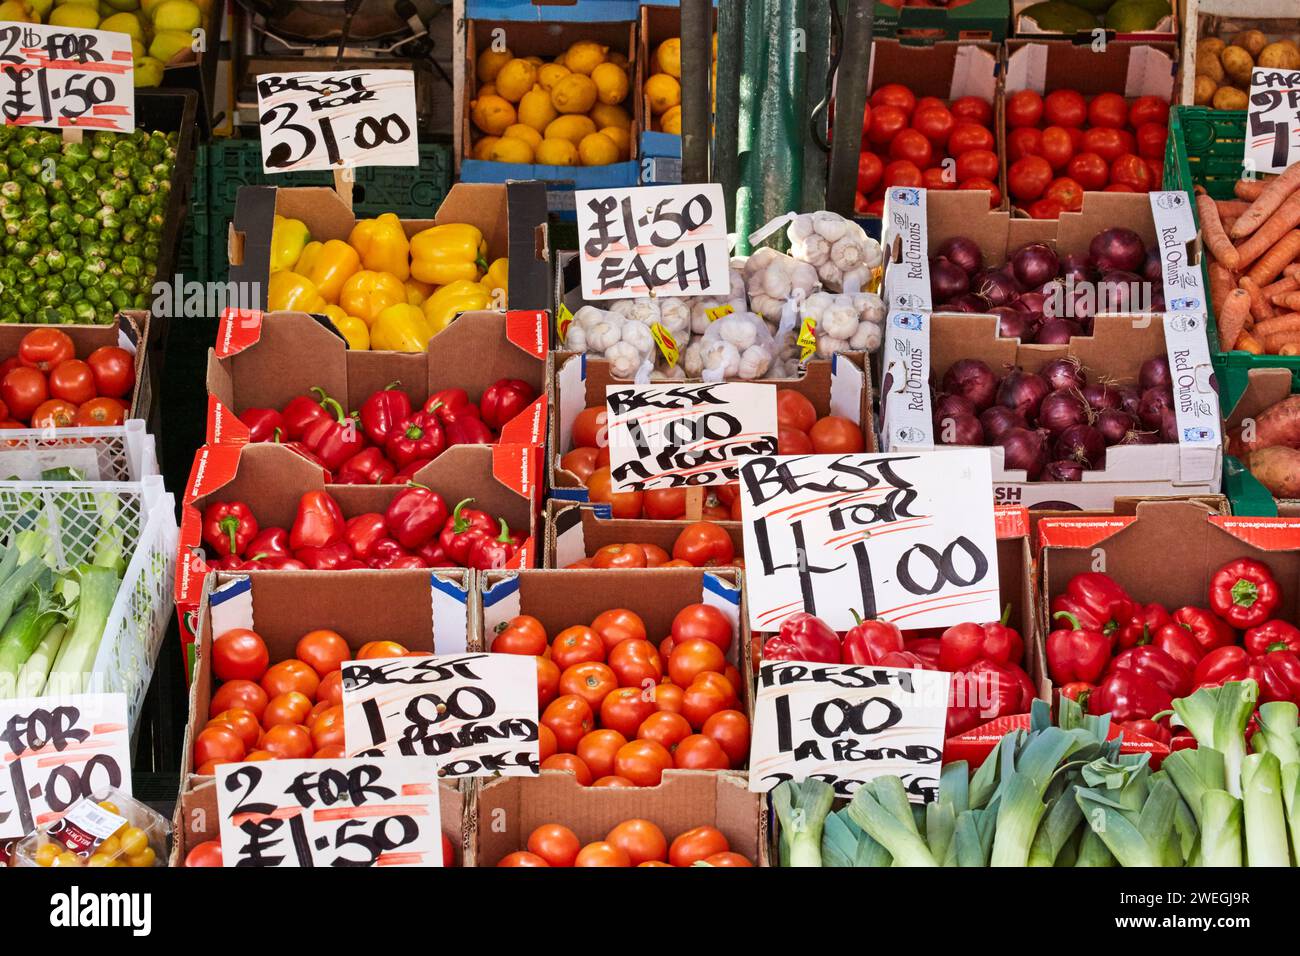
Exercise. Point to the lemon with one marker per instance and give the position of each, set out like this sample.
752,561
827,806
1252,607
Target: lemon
551,73
535,60
126,23
668,57
177,15
483,148
79,17
148,71
618,59
611,83
536,109
557,152
671,121
664,93
597,149
490,62
138,50
572,127
515,79
606,115
574,93
492,114
584,56
510,150
487,89
167,43
16,11
622,139
525,132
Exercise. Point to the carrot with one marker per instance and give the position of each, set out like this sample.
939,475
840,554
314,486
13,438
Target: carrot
1285,284
1213,234
1271,262
1231,207
1288,300
1268,202
1271,234
1248,343
1273,344
1248,189
1291,348
1260,307
1233,317
1286,322
1228,221
1222,282
1292,270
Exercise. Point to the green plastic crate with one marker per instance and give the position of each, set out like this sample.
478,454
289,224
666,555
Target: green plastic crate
1248,496
1205,149
977,20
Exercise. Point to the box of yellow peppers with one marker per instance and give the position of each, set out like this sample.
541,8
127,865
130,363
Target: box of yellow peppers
109,829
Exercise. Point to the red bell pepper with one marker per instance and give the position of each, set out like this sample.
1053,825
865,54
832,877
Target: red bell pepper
302,412
405,561
336,438
418,438
228,527
449,404
463,528
1077,690
1272,635
271,542
1277,672
365,531
985,691
300,449
328,557
1244,593
468,430
1207,630
1177,641
1097,602
964,644
1075,653
319,522
384,411
1142,626
492,554
368,467
1147,728
415,516
264,424
433,554
504,399
229,562
926,648
282,562
909,660
868,641
352,564
1153,664
1126,695
384,552
804,637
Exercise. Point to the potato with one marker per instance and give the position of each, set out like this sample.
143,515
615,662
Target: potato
1204,91
1210,45
1237,63
1229,98
1207,64
1278,470
1252,41
1280,56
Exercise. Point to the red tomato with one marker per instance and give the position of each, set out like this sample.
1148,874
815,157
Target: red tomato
635,663
242,722
1157,167
330,690
697,844
974,109
572,763
937,177
1065,108
590,680
597,750
24,390
967,136
555,844
580,462
654,555
623,504
523,634
1065,191
703,622
99,412
242,694
548,681
288,742
617,625
1044,209
292,707
834,435
667,697
589,428
625,709
913,146
217,743
73,381
730,730
1023,141
870,170
207,853
641,840
995,194
886,122
690,658
545,742
1150,145
521,858
643,762
664,504
374,649
1109,110
577,645
977,164
894,94
793,409
114,370
928,101
1106,143
290,675
727,859
792,441
1028,177
1089,170
698,752
866,118
55,413
619,556
570,719
1130,170
327,728
1056,146
935,123
1119,188
1024,108
323,651
1148,109
902,173
239,654
664,727
44,349
704,544
601,854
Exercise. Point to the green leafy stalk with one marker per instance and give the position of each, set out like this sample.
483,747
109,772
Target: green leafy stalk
1220,814
1022,797
1266,833
1195,771
1093,852
31,679
801,810
1217,718
1278,721
972,840
1059,824
876,809
1134,840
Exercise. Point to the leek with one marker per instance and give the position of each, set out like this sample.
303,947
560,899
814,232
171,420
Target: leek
1022,806
846,844
1059,824
81,644
1134,839
20,636
802,810
1217,718
941,814
31,679
1261,810
881,809
1277,727
1220,814
1093,852
972,839
1195,771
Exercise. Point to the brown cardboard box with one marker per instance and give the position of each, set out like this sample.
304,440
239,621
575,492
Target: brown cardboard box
1167,28
575,531
510,808
576,381
1276,19
258,364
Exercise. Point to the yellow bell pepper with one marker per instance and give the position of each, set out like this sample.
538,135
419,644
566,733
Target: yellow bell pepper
382,245
352,329
368,293
290,291
400,328
328,265
464,295
288,236
443,254
417,291
497,277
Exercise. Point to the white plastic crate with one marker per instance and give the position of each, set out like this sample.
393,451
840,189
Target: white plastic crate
70,513
123,452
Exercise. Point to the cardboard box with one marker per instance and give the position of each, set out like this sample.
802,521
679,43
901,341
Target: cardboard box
575,531
547,39
840,385
504,480
1264,387
257,363
960,20
1277,19
1166,29
512,218
510,808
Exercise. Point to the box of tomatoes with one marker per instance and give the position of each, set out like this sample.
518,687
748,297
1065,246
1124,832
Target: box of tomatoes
577,535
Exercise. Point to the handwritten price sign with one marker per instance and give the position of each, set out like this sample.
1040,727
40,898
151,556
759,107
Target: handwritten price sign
56,751
1273,120
906,537
62,78
671,240
334,120
686,436
846,724
380,811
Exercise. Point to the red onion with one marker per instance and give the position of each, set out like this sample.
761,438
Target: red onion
1064,373
1062,410
1076,264
1138,437
959,430
1057,332
1099,396
998,420
947,280
996,287
1130,397
1155,373
1120,292
962,252
1025,450
1169,426
1034,263
970,302
1081,443
1012,323
947,405
1023,392
1154,402
1114,424
971,379
1117,248
1158,300
1033,301
1063,471
1151,270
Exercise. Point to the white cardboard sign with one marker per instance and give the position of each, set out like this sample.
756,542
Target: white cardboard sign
906,537
847,724
57,750
474,714
686,435
662,240
372,811
62,78
333,120
1273,120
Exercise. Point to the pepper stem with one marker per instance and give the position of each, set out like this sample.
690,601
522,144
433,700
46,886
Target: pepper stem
504,536
229,526
1277,646
857,618
1245,593
459,524
333,407
1006,615
1073,621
